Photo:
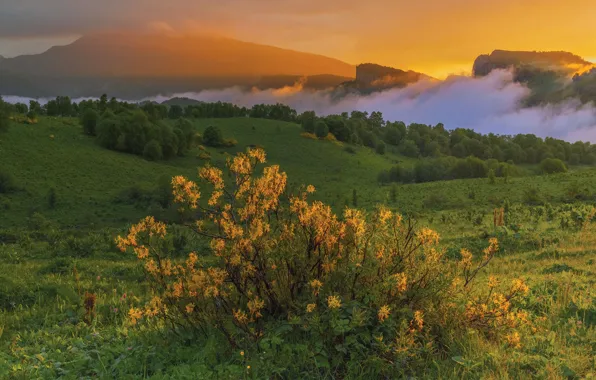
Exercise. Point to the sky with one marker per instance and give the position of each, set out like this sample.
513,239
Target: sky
438,37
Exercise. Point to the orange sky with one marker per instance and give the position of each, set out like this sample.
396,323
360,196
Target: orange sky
434,36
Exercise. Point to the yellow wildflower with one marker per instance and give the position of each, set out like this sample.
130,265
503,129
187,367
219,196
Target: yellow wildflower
311,307
135,314
333,302
383,313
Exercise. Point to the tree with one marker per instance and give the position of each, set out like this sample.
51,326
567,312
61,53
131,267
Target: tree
153,151
321,129
89,122
4,121
409,148
380,148
393,135
35,107
175,112
393,193
552,165
491,177
308,121
212,137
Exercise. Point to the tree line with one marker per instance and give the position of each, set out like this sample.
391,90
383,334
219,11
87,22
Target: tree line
360,128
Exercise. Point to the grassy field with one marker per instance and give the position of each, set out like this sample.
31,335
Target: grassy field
47,268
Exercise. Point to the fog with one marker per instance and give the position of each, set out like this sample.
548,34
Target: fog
489,104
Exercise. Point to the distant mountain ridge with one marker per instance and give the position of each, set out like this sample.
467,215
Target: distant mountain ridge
114,62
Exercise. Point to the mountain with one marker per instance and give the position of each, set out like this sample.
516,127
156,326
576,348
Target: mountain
371,77
549,60
133,64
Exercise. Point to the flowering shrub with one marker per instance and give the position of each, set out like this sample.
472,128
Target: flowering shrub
375,277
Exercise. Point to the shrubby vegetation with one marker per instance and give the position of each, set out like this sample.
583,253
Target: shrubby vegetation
446,168
66,292
361,288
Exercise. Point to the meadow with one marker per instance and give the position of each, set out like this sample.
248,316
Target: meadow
71,198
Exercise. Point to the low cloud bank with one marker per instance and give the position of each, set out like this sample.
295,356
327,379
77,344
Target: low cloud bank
489,104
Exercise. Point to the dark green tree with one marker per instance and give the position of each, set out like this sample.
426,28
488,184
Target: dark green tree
321,129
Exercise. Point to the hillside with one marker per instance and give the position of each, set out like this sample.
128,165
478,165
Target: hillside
88,178
503,59
68,295
154,64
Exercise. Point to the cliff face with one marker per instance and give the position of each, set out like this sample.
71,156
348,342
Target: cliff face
504,59
371,74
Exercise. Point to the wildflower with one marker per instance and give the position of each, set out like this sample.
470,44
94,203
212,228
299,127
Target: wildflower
241,353
190,308
466,258
383,313
518,285
255,306
134,315
418,321
241,317
333,302
513,339
311,307
310,189
258,154
141,252
493,282
428,236
401,282
384,214
316,285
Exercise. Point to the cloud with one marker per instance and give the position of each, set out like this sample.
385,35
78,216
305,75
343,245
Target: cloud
488,105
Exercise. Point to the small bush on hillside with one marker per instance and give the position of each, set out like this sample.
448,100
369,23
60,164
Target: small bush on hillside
380,149
321,129
7,182
552,165
153,151
212,137
89,121
533,197
4,116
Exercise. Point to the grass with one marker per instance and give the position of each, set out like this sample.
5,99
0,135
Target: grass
43,278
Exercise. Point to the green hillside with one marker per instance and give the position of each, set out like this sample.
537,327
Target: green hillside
68,296
88,179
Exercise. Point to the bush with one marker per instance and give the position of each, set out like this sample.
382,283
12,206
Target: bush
552,165
89,122
153,151
7,183
380,149
533,197
212,137
321,129
296,270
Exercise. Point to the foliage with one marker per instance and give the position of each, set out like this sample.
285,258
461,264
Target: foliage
7,182
552,165
152,151
89,121
321,129
297,260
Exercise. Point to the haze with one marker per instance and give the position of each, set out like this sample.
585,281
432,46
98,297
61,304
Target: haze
437,37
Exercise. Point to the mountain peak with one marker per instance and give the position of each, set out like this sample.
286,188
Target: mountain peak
504,59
